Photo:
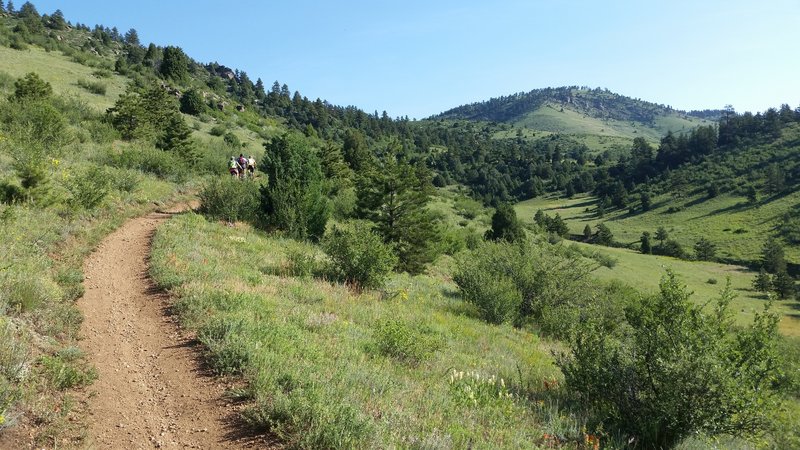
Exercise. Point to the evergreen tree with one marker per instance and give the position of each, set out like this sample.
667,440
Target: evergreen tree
10,7
645,246
132,37
540,218
772,257
604,235
395,196
751,194
355,150
31,88
587,233
557,226
192,102
294,199
505,225
775,179
762,282
176,137
783,283
705,250
152,55
175,65
2,7
644,199
661,236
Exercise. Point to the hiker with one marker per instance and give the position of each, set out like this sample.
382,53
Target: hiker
233,167
242,165
251,166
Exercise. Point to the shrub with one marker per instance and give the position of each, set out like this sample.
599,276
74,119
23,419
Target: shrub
540,281
65,370
496,296
95,87
227,351
147,159
301,264
230,199
192,102
88,188
676,370
404,342
358,256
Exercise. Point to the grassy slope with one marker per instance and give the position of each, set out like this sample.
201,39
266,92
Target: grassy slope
598,134
644,271
62,73
738,228
324,337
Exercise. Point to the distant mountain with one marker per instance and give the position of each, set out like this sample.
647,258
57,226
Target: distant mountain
582,111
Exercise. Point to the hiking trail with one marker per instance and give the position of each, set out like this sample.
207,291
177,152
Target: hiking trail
152,390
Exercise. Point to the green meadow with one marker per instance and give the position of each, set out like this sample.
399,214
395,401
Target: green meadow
409,365
737,227
63,74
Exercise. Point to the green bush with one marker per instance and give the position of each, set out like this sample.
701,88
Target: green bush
227,351
95,87
543,283
147,159
301,263
675,370
406,343
65,369
358,256
88,188
230,199
495,295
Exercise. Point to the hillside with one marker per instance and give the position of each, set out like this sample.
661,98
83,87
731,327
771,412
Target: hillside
357,291
580,111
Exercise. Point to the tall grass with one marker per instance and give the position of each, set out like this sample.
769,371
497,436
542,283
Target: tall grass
326,366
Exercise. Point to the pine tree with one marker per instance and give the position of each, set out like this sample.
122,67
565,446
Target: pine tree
31,88
2,7
557,226
604,235
645,246
587,233
176,137
772,257
10,7
540,218
644,199
394,196
762,282
705,250
294,200
505,225
783,283
175,65
661,236
192,102
132,37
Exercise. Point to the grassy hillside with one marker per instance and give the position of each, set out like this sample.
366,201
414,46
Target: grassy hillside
594,117
737,227
63,74
386,357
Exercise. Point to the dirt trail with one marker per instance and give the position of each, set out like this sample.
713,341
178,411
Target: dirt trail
151,391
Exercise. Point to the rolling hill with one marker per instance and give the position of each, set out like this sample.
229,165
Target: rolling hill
600,118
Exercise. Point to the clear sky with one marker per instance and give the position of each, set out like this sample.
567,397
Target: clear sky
419,58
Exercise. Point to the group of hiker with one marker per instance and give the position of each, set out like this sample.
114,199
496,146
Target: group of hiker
242,167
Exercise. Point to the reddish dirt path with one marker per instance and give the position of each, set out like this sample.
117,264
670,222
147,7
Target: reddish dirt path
151,391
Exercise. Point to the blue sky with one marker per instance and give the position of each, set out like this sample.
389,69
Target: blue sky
419,58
